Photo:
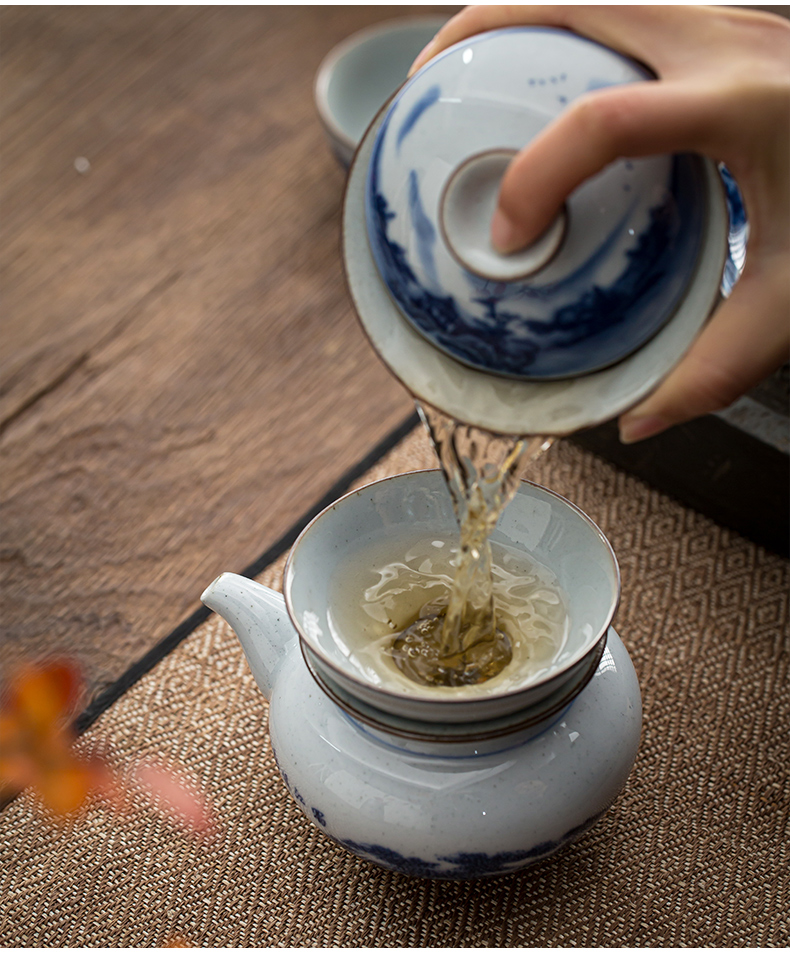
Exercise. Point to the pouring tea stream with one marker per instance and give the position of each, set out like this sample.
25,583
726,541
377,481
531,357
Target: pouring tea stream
512,756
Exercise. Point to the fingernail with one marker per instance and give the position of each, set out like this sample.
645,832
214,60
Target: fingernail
505,235
419,57
638,427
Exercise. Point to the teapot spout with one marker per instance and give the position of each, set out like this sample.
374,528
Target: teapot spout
259,619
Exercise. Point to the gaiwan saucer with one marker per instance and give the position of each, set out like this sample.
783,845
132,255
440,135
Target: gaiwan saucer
579,328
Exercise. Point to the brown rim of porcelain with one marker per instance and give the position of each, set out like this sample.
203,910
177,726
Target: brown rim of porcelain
500,727
449,701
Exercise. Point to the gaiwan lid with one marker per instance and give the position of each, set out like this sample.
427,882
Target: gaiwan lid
591,309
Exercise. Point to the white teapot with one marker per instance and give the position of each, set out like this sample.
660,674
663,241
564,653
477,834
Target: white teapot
449,783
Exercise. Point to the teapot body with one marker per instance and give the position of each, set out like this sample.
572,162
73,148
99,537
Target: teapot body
454,785
459,809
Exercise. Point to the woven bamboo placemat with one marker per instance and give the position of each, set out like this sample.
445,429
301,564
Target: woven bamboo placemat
695,851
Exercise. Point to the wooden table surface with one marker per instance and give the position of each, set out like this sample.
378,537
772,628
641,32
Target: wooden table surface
182,373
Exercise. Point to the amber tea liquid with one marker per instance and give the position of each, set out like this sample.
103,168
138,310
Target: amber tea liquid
462,642
407,576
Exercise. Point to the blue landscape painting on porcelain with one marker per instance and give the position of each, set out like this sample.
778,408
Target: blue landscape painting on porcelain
634,231
466,865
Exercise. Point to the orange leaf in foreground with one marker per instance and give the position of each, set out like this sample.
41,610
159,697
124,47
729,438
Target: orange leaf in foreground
36,737
37,750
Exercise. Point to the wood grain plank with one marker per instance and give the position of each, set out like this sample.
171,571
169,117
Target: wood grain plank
182,372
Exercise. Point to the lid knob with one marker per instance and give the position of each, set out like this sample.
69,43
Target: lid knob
467,206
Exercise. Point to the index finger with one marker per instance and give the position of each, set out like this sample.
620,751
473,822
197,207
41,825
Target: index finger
639,31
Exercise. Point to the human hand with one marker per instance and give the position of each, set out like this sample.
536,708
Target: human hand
722,90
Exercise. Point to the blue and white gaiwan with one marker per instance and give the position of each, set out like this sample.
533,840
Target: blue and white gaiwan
482,781
580,326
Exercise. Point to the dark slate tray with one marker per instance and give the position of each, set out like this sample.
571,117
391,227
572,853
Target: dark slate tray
733,466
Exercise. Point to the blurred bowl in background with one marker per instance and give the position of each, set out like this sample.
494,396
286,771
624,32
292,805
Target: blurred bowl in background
361,73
